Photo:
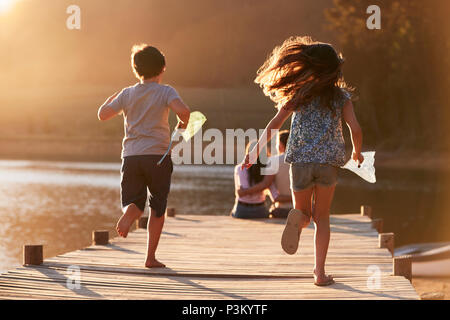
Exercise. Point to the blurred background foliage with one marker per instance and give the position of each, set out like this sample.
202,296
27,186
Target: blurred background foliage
53,79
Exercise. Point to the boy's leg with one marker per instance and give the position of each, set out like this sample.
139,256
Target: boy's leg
158,182
154,227
130,214
321,216
133,192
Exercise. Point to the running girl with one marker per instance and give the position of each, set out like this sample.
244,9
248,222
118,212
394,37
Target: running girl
304,78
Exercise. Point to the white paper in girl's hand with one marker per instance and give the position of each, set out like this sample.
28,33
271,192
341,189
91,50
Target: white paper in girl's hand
366,170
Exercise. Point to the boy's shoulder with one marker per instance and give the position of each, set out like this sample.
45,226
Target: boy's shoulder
129,89
168,87
158,86
139,87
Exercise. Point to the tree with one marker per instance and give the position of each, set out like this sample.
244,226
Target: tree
400,71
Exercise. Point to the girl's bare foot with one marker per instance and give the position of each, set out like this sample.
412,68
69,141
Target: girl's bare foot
322,279
127,219
153,263
295,222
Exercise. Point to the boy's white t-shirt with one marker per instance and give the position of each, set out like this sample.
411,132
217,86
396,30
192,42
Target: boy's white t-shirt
145,108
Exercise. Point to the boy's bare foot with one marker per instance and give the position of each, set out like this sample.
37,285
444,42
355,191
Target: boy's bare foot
153,263
323,279
127,219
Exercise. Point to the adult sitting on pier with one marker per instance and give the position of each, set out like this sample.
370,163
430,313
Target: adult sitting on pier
278,174
251,206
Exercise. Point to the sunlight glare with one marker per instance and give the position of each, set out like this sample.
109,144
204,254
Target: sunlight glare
5,5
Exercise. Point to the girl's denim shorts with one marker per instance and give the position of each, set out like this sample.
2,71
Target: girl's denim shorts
306,175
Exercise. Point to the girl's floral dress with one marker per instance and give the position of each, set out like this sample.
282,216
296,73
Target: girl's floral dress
316,134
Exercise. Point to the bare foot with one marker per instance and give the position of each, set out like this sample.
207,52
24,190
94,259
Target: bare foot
153,263
323,279
125,222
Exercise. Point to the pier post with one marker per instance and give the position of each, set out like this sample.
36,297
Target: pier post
100,238
171,212
142,222
386,240
378,225
33,255
403,266
366,211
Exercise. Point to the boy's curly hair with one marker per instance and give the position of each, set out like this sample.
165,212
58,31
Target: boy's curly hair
147,61
300,70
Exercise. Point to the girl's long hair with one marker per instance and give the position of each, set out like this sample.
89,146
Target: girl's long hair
300,70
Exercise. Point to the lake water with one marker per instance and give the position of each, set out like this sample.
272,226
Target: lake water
58,204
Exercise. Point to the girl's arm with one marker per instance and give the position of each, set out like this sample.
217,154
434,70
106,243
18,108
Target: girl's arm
274,124
267,181
355,130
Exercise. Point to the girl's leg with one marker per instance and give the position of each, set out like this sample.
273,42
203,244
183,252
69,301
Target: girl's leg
302,200
321,216
297,220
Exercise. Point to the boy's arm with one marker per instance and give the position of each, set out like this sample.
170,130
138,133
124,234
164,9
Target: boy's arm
267,181
274,124
355,130
182,111
106,112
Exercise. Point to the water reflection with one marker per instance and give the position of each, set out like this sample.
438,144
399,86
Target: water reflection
58,204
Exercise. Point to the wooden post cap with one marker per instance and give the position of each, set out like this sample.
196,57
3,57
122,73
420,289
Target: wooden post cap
100,238
377,224
403,266
386,240
366,211
171,212
33,255
142,222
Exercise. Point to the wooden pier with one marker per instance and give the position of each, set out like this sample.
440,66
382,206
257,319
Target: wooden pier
218,257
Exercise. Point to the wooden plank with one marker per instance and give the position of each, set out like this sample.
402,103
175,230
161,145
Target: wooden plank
214,257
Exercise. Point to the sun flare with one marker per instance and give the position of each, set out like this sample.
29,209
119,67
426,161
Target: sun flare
5,5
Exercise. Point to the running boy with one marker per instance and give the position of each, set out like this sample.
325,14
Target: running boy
145,109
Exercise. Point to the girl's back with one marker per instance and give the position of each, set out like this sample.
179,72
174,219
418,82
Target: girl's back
316,133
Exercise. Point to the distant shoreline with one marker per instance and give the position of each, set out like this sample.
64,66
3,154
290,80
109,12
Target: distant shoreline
87,149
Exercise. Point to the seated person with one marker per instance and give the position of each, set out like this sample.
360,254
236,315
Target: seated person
282,203
251,206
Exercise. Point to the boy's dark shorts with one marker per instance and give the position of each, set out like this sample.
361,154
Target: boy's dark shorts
142,172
